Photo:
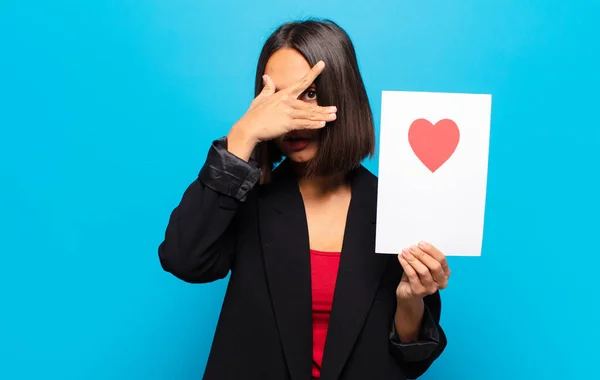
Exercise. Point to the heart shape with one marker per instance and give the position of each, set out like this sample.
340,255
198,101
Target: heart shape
433,144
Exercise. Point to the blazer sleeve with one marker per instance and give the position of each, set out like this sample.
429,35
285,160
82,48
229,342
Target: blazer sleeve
416,357
199,242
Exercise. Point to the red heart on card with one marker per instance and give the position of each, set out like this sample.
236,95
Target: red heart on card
435,143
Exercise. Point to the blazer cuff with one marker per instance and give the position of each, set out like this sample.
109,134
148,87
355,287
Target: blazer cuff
429,339
228,174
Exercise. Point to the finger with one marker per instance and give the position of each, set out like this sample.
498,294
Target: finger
307,80
313,115
420,268
298,104
308,124
435,268
402,264
436,254
409,271
411,274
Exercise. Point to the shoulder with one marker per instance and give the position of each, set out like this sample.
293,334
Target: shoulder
367,175
364,182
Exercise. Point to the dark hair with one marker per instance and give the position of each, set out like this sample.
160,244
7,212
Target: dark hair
345,142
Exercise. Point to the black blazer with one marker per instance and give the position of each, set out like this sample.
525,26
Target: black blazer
226,223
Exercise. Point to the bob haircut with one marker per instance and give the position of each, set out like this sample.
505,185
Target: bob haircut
348,140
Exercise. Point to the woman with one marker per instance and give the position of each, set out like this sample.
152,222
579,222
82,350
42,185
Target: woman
307,296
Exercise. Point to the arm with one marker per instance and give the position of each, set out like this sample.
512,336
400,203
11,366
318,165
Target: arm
423,339
408,318
199,243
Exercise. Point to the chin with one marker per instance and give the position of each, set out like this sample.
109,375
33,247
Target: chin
300,156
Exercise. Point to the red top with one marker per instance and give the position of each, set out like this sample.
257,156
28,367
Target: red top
324,268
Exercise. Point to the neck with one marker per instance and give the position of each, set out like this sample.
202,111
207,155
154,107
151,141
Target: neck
319,186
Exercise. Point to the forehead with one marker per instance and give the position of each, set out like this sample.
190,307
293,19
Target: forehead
286,67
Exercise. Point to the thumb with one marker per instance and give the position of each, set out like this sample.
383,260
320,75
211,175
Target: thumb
266,92
269,86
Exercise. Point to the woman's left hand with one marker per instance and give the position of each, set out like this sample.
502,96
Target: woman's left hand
425,272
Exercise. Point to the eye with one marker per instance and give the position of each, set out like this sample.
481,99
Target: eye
309,95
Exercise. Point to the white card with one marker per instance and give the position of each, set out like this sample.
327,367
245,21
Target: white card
433,164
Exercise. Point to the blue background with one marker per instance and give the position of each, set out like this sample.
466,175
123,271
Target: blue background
107,110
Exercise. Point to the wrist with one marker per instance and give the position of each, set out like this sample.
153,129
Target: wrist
240,143
411,308
408,318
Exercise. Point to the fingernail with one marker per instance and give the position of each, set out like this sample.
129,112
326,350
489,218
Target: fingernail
333,109
412,249
422,244
332,115
323,123
320,64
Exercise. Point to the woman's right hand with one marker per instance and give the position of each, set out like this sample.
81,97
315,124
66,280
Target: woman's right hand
272,114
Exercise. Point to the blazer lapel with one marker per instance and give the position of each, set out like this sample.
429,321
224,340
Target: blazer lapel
359,275
284,238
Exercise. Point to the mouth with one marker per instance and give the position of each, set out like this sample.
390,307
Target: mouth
296,135
295,141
